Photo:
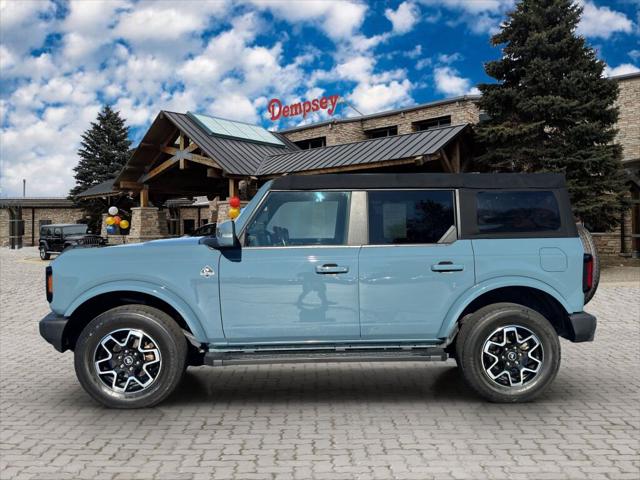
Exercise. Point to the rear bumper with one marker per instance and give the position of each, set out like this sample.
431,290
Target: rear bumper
52,330
582,327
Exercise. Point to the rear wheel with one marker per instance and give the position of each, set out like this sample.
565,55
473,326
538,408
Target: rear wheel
130,357
508,352
44,255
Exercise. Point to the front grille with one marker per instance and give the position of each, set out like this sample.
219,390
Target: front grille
91,241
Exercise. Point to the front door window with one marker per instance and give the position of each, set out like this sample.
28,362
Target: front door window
300,219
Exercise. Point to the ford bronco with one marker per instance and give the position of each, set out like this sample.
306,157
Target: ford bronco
487,269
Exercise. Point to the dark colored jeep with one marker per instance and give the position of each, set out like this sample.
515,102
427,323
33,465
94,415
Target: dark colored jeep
57,238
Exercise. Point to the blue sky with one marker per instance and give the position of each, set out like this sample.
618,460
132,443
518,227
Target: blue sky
60,60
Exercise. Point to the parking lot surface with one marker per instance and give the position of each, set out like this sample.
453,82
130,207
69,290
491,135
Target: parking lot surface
331,421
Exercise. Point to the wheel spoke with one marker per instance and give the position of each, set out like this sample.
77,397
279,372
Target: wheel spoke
512,356
127,360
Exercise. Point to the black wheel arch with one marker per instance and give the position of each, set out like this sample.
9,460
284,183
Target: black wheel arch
107,301
529,297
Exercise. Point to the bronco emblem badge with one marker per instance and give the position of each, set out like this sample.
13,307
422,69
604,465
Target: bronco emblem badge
207,271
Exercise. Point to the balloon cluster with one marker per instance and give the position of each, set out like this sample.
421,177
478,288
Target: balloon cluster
114,221
234,210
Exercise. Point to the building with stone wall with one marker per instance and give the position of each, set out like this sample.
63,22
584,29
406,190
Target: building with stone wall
452,111
35,212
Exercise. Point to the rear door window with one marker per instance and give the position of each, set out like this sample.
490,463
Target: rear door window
517,211
409,216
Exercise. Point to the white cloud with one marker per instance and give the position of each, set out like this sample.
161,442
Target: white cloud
622,69
24,25
480,16
473,6
339,19
370,98
404,18
448,81
602,22
449,58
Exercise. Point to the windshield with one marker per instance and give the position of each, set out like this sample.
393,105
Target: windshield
75,230
245,213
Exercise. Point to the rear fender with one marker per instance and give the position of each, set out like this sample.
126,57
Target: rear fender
449,325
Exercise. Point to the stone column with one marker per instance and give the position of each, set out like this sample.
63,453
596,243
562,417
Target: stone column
147,223
4,227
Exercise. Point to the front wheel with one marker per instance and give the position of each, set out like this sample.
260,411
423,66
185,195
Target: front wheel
44,255
508,353
130,357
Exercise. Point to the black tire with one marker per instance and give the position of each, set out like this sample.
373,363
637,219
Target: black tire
590,248
160,328
478,328
44,255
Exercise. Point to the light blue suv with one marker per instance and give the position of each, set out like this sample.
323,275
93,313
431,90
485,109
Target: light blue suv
489,270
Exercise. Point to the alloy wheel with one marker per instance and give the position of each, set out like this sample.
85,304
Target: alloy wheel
127,360
512,356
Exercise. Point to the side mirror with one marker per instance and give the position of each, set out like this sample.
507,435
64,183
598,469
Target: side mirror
226,234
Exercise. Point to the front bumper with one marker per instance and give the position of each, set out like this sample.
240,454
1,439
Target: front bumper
52,330
582,327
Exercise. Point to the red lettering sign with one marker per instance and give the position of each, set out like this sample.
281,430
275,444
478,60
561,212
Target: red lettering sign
277,110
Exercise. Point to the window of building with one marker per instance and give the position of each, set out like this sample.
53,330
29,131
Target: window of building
431,123
409,216
188,226
382,132
173,222
312,143
517,211
300,218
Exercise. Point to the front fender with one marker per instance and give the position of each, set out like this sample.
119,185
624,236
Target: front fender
492,284
158,291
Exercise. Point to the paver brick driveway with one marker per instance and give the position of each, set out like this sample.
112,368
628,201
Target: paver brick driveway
334,421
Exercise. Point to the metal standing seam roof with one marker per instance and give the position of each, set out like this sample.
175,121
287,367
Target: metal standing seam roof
246,158
36,202
365,152
104,189
235,157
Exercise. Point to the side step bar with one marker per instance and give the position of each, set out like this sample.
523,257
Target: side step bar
220,359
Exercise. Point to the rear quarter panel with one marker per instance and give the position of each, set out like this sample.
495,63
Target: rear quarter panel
556,262
552,265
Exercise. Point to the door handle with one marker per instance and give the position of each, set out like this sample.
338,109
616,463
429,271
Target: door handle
331,268
447,266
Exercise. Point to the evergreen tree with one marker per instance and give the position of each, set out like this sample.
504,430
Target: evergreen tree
552,110
103,152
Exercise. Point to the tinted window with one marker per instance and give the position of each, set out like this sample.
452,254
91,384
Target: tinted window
397,217
511,212
300,218
75,230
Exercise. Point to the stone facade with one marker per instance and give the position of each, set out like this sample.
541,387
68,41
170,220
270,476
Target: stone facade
461,110
32,217
629,119
147,223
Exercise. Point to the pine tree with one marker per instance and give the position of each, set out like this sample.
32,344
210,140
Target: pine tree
103,152
553,110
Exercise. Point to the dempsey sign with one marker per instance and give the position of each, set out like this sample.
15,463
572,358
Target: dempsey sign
277,110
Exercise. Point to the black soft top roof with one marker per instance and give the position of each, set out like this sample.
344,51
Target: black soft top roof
486,181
